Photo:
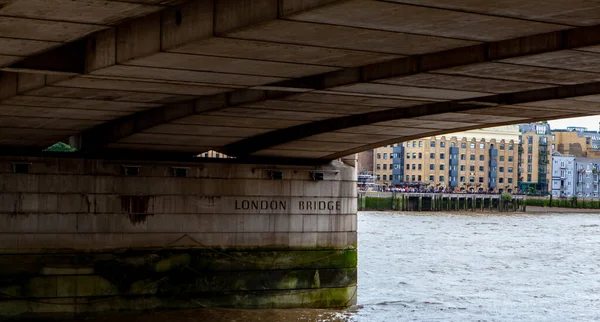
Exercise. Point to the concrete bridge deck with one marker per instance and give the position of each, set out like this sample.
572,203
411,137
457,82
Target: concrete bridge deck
290,78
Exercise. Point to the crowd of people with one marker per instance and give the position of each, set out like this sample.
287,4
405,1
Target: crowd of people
436,190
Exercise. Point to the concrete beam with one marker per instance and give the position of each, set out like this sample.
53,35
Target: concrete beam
271,139
110,132
366,147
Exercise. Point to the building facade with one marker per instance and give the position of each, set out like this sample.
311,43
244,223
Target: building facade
214,155
477,160
398,165
587,177
575,177
577,141
365,162
563,168
383,164
535,158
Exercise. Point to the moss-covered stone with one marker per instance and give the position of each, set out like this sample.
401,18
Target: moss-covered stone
179,278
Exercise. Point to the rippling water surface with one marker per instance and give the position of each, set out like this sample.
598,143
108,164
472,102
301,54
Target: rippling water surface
458,267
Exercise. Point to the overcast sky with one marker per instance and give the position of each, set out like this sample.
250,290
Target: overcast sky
591,122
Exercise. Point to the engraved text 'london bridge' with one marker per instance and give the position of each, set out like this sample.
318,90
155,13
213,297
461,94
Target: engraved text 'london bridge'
282,205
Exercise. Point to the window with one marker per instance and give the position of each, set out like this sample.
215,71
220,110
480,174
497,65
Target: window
481,168
481,146
378,166
420,144
407,177
441,167
408,155
511,147
414,145
378,177
442,156
442,144
510,159
441,178
463,156
500,169
510,169
432,166
472,145
420,166
529,168
530,140
420,155
482,157
413,177
432,144
385,155
472,168
414,155
500,180
472,157
420,178
432,155
480,179
501,146
431,178
529,178
378,155
501,158
462,168
462,179
471,179
407,166
509,180
391,165
414,166
385,167
529,159
463,145
384,177
452,144
530,149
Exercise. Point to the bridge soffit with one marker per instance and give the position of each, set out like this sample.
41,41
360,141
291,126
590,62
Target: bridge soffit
193,20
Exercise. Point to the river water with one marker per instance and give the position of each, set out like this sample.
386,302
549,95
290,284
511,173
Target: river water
457,267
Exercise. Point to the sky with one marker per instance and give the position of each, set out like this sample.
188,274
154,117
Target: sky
591,122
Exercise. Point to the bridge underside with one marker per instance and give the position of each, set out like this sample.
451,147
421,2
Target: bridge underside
314,79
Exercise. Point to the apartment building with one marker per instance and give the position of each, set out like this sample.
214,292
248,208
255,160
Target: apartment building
535,157
477,160
383,164
575,177
576,141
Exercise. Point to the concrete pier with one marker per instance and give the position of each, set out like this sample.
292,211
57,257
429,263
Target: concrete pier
88,237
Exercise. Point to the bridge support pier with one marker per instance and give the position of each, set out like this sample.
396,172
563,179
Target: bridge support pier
89,237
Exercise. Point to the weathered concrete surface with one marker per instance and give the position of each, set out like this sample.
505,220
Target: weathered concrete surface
285,78
79,237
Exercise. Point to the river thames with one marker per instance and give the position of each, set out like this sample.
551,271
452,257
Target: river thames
457,267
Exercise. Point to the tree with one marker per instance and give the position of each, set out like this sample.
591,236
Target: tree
60,147
531,190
